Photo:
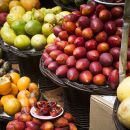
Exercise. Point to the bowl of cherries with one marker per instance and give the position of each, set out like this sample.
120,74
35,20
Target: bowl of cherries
46,110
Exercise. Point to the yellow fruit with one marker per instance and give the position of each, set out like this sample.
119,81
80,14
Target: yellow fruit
5,86
12,106
123,113
17,10
14,89
123,90
5,98
14,77
4,6
14,3
24,102
32,101
23,94
33,87
23,83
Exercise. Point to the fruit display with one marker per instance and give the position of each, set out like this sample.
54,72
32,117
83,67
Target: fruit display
24,121
87,46
17,92
31,30
113,1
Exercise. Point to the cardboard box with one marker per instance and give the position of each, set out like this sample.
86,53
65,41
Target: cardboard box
101,109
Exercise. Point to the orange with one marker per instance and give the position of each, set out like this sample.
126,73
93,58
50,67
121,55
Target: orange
14,89
23,94
33,87
23,83
5,98
32,101
14,3
14,77
24,102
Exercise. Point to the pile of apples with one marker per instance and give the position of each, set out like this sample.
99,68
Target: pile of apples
87,46
24,121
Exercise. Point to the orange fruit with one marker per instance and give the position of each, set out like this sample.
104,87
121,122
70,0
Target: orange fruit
23,83
33,87
5,98
32,101
14,77
24,102
14,89
23,94
14,3
5,86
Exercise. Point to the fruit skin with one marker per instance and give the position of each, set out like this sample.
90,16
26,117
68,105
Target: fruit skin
82,64
117,12
107,71
55,53
61,59
99,79
91,44
93,55
53,66
115,51
48,61
123,90
101,37
47,29
86,77
123,112
106,59
79,41
99,8
61,71
23,83
87,33
3,18
95,67
103,47
23,94
12,106
113,79
69,49
72,74
69,117
71,61
50,48
63,35
72,126
105,15
61,122
14,90
5,98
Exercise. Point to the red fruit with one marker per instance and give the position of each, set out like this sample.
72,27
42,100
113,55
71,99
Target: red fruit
77,13
57,29
69,49
57,39
94,16
71,61
113,79
53,66
106,59
103,47
128,54
61,122
101,36
105,15
115,53
82,64
95,67
61,59
87,33
37,121
99,79
32,125
69,117
3,16
128,66
17,115
78,31
99,8
72,74
86,77
25,117
79,52
91,44
114,41
61,44
93,55
79,41
50,48
25,110
71,17
70,27
117,12
48,61
116,65
110,27
72,126
28,128
83,22
96,25
61,71
45,55
55,53
119,22
106,71
87,9
71,39
119,31
63,35
47,126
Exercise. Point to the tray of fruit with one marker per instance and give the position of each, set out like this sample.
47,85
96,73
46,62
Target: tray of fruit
111,2
15,93
121,109
26,33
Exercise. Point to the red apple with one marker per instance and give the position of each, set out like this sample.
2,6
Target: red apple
61,71
106,71
78,31
91,44
61,44
71,17
57,29
48,61
115,53
53,66
86,77
93,55
55,53
117,12
47,126
61,59
50,48
116,65
87,33
79,41
119,22
71,39
71,61
99,8
69,49
103,47
119,31
63,35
